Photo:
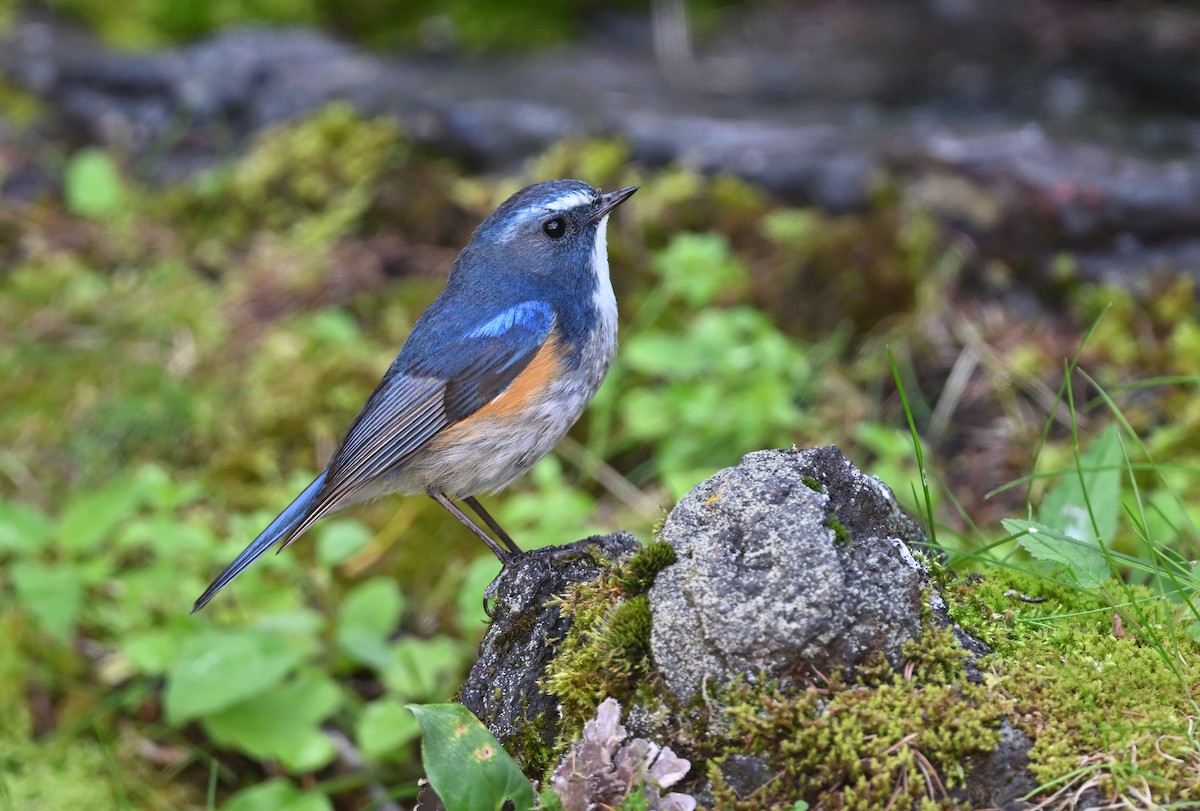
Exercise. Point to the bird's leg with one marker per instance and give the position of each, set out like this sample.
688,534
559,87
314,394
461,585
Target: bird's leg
504,537
503,554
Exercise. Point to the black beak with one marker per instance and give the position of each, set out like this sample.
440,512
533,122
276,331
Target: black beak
610,201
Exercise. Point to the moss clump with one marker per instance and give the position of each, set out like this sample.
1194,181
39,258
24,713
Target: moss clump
606,652
642,567
1105,694
841,535
310,181
629,631
886,738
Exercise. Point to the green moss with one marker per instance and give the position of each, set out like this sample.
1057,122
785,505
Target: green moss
884,738
813,483
530,748
629,633
605,651
304,182
1105,694
841,535
642,567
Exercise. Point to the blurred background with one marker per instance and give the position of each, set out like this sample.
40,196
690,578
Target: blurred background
218,222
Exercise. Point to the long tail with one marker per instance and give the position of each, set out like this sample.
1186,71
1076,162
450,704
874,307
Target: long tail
279,529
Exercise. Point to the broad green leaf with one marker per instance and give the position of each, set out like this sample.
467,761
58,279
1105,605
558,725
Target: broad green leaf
341,539
152,652
1084,561
301,628
215,670
700,267
367,616
465,763
276,795
281,724
90,516
159,487
92,184
1099,476
52,593
423,669
375,606
165,534
22,528
383,728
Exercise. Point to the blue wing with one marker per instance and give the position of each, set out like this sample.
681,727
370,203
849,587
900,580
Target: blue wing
416,400
431,393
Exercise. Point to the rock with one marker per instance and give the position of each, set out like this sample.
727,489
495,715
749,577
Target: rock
789,562
502,688
1002,778
746,774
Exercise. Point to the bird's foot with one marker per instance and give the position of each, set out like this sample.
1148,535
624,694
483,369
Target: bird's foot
489,593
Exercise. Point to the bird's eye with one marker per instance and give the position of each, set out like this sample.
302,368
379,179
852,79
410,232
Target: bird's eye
554,228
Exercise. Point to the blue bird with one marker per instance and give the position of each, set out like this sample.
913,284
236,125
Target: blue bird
491,377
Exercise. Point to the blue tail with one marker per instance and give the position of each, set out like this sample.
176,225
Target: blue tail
278,530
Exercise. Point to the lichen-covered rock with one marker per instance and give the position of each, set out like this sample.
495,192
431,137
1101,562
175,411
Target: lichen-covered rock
791,561
503,688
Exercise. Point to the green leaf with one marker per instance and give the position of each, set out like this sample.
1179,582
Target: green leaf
22,528
152,652
90,516
1084,561
53,594
341,539
465,763
1099,476
274,795
700,267
423,669
375,606
161,489
367,616
215,670
282,724
384,727
92,184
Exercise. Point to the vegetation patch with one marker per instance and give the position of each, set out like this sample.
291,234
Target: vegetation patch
881,737
606,652
1104,693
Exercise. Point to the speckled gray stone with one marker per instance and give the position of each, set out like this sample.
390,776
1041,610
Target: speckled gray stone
763,586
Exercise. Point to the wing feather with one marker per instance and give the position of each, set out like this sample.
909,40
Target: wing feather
418,401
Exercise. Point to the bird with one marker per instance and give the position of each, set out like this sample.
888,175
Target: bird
491,376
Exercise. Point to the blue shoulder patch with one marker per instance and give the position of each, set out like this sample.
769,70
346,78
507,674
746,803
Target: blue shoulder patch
535,316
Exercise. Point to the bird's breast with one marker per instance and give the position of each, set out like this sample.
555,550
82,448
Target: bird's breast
507,436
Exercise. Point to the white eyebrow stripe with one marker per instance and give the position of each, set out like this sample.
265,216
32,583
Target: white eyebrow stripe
521,216
569,201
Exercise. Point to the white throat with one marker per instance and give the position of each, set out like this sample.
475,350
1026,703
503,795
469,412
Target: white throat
604,299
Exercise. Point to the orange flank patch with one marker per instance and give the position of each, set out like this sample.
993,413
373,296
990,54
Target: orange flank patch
527,386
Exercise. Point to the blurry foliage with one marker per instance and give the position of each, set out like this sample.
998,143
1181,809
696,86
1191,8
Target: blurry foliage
176,363
472,24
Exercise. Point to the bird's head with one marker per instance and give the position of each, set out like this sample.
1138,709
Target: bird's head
551,229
